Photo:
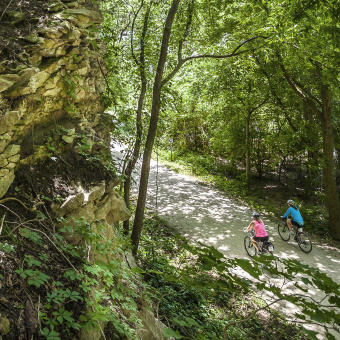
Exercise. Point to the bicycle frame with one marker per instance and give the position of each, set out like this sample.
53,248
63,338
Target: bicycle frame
260,244
302,239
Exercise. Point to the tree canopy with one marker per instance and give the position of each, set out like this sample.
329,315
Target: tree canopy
253,82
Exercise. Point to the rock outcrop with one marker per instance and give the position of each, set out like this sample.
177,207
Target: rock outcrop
54,134
50,95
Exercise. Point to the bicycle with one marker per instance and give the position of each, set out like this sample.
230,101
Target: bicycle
265,247
300,236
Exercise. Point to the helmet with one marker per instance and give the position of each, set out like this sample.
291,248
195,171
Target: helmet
290,202
256,214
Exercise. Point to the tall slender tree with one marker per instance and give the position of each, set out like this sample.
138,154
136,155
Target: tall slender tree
131,162
143,186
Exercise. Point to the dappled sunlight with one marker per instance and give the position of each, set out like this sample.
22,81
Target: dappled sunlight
205,215
288,256
334,260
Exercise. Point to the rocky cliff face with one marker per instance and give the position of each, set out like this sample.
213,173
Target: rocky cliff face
51,80
54,137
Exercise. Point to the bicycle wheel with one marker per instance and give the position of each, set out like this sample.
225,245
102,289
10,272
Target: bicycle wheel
304,242
283,230
250,248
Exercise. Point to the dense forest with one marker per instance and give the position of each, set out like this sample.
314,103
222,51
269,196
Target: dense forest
252,85
244,94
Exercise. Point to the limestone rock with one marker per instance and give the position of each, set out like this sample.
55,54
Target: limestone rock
6,179
3,143
3,162
58,86
72,203
96,192
81,17
54,6
11,150
152,327
52,33
7,80
113,209
68,139
8,120
20,88
91,332
34,39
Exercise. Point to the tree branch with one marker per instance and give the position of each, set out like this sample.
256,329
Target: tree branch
132,29
233,54
299,92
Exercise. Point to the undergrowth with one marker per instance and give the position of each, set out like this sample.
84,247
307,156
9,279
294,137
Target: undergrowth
51,290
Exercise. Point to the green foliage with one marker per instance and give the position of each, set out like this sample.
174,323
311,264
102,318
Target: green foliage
34,276
31,235
50,333
81,296
200,299
5,247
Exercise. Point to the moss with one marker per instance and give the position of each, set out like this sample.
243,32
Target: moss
5,325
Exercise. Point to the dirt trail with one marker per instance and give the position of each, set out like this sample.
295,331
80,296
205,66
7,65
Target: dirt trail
207,215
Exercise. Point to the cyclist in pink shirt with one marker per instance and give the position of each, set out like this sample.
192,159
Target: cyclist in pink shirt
260,230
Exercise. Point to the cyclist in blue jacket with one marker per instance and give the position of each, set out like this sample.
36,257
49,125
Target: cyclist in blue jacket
296,219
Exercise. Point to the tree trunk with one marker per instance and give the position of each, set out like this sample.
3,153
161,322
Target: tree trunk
329,171
135,155
248,148
139,126
325,117
144,179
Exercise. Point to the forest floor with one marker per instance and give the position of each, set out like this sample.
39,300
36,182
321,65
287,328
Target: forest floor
206,215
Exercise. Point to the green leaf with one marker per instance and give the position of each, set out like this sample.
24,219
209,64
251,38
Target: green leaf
168,333
312,334
250,267
181,322
191,321
334,299
137,270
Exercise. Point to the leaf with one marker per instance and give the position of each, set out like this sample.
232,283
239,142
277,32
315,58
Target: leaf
249,267
312,334
334,299
325,283
168,333
306,281
191,321
181,322
137,270
304,289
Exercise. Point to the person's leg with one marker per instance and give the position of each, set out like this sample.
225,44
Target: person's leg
289,223
261,240
255,244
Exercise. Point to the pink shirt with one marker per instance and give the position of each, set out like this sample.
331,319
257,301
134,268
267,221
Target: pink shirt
259,228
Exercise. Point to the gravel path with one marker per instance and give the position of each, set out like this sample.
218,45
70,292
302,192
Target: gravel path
207,215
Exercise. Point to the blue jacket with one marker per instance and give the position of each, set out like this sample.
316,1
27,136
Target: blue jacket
295,215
